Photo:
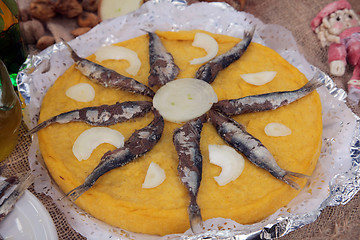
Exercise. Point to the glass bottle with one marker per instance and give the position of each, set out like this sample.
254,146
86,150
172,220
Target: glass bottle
10,114
12,48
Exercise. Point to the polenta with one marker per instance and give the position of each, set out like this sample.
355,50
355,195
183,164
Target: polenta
118,198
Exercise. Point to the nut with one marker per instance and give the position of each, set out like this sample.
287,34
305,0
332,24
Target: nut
24,14
68,8
32,30
90,5
42,9
44,42
87,19
79,31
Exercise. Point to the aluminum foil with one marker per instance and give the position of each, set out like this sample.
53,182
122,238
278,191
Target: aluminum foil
336,177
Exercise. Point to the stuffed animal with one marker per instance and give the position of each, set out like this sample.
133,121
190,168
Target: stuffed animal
338,27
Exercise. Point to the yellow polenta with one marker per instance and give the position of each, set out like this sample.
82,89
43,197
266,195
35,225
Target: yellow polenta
118,198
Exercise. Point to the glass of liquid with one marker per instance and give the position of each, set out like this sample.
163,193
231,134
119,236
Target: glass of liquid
10,114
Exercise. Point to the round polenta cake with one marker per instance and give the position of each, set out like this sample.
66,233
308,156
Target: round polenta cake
118,198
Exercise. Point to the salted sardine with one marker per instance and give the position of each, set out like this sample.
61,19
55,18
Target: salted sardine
139,143
107,77
6,184
162,66
8,204
187,144
267,101
236,136
209,71
104,115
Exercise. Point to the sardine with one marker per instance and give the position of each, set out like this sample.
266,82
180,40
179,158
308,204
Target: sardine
104,115
8,204
187,144
162,66
209,71
139,143
267,101
236,136
107,77
7,183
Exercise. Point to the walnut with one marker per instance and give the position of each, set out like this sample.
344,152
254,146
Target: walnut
42,9
24,14
79,31
68,8
87,19
32,30
44,42
90,5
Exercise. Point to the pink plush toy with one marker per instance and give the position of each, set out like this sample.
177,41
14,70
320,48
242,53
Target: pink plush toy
338,27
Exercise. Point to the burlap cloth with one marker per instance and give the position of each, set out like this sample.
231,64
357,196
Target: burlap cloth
340,222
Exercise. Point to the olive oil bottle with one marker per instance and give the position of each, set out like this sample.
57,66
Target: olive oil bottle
10,114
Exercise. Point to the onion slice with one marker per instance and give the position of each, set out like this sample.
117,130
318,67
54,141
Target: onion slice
154,177
120,53
81,92
90,139
108,9
259,78
231,163
208,43
184,99
277,130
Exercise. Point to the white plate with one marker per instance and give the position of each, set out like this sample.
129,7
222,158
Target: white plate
28,220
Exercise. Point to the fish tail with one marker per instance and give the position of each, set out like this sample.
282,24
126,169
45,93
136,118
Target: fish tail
6,184
289,178
314,83
39,127
250,33
144,30
74,55
76,192
8,204
196,222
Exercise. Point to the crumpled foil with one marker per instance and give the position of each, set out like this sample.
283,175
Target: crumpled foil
336,177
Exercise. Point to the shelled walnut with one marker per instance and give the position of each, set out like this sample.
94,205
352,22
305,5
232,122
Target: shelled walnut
68,8
32,31
42,9
90,5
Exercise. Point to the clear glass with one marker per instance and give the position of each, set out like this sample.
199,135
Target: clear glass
10,114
